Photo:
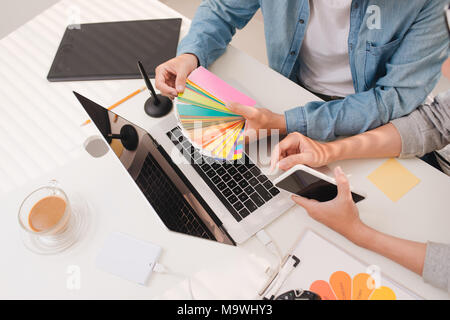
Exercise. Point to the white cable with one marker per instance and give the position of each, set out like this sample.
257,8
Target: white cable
267,241
159,268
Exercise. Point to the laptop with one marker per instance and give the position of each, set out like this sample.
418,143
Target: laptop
192,193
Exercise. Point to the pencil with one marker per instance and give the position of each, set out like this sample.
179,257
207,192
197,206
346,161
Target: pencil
120,102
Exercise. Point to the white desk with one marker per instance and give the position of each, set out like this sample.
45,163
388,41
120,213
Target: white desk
44,120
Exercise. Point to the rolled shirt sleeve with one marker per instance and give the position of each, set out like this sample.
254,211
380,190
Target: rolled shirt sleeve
295,120
426,129
436,270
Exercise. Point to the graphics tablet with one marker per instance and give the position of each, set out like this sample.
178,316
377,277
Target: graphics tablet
110,50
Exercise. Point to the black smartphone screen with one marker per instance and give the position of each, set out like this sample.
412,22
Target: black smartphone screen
306,185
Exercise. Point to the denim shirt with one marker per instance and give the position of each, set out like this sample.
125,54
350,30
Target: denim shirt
396,48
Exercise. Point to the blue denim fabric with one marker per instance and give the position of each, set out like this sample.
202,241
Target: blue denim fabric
395,60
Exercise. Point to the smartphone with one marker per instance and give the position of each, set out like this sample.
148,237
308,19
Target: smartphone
309,183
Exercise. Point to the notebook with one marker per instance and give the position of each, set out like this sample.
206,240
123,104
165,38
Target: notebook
324,268
110,50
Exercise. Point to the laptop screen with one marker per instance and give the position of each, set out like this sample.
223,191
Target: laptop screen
165,187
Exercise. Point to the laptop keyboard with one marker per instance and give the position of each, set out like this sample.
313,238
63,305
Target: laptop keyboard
239,185
168,202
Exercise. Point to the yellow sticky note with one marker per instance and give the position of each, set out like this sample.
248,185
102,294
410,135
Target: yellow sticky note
393,179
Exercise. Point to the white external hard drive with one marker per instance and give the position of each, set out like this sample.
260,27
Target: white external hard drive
129,258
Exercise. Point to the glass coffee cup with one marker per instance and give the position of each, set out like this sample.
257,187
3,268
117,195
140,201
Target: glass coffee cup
46,211
49,221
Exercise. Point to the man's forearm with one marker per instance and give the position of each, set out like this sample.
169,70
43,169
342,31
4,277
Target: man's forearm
382,142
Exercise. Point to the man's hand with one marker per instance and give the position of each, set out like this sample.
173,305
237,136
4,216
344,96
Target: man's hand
259,118
171,76
339,214
298,149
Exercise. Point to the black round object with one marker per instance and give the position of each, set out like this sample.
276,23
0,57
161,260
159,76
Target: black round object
158,110
129,137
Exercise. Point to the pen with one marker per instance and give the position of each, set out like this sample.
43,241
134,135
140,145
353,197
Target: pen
120,102
148,83
279,280
276,281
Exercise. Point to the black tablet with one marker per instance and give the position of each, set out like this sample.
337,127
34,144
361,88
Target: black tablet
110,50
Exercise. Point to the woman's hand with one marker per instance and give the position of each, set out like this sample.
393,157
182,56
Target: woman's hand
298,149
339,214
171,76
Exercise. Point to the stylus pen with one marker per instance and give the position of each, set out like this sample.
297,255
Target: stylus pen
119,102
279,278
147,82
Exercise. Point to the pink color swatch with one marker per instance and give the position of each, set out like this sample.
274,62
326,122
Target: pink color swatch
219,88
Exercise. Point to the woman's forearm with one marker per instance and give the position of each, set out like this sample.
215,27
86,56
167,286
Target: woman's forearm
409,254
383,142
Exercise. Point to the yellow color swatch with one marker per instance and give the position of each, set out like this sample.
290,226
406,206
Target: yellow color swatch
194,97
383,293
393,179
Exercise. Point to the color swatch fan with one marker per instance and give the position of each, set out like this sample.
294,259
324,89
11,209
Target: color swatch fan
342,287
206,120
